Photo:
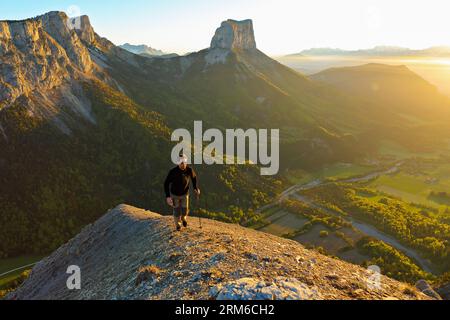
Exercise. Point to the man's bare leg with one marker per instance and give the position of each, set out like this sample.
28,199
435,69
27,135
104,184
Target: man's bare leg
177,213
185,211
177,221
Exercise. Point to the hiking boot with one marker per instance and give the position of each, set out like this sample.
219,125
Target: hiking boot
178,227
185,224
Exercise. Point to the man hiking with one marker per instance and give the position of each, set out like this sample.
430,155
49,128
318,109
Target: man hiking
176,188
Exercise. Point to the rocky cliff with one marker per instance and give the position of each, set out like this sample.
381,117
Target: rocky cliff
45,59
234,35
40,53
135,254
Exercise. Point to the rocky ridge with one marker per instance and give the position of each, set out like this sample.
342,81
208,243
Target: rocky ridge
135,254
39,54
43,62
52,51
43,57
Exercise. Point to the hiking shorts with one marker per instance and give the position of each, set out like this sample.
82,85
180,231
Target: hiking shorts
180,205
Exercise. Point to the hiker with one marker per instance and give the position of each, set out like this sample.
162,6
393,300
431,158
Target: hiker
176,188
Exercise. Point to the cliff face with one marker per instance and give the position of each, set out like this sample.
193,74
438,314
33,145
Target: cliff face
31,60
57,25
234,35
35,50
43,61
135,254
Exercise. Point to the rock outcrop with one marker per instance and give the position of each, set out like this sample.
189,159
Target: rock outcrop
57,25
39,55
43,62
444,291
135,254
31,60
281,288
234,35
84,30
424,287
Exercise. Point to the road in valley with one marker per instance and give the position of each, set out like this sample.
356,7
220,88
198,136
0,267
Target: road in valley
363,227
374,233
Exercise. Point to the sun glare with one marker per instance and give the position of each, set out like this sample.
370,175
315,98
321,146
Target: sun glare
443,62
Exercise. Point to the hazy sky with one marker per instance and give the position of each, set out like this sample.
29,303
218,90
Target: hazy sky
282,26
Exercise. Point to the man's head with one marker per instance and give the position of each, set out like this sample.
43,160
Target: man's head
182,162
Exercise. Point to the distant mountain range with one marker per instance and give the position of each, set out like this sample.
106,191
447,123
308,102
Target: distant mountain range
390,86
146,51
377,51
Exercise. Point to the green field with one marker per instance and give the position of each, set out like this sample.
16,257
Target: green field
283,222
331,243
336,171
399,152
416,187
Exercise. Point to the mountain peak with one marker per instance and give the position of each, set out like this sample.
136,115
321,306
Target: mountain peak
60,20
84,28
131,253
234,34
53,15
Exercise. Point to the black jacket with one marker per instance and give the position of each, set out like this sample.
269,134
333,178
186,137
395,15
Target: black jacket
177,181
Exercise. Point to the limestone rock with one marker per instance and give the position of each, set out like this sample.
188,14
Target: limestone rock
444,291
31,60
43,59
84,29
234,35
57,25
424,287
253,289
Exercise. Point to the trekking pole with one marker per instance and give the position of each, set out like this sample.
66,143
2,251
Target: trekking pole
206,204
199,215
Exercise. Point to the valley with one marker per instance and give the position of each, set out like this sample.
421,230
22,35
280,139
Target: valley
410,181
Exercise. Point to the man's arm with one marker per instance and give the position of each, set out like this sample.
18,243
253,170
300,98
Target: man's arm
194,180
167,184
